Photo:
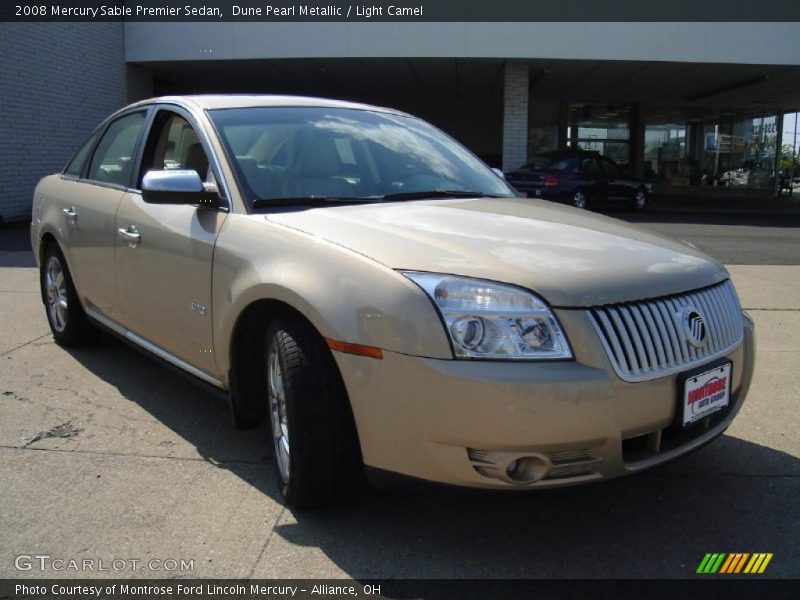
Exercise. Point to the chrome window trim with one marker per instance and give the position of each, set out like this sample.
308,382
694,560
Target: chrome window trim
150,106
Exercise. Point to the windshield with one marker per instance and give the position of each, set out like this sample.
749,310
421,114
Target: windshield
312,152
552,162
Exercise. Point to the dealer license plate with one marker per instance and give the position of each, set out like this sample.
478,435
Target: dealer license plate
706,393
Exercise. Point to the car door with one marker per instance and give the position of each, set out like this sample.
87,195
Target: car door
93,185
593,177
616,185
164,252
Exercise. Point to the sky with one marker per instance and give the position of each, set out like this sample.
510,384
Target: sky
788,130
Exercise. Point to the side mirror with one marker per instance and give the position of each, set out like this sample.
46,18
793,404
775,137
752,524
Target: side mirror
177,187
499,173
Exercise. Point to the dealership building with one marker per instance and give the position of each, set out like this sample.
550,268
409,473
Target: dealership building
695,107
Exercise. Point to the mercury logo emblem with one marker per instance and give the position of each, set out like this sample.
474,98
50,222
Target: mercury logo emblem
693,325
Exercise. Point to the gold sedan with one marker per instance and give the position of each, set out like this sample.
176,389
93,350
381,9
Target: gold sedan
385,300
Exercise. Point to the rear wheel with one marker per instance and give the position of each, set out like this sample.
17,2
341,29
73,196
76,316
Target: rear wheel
640,199
314,438
579,199
65,314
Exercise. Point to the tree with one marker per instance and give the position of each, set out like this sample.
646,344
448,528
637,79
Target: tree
787,155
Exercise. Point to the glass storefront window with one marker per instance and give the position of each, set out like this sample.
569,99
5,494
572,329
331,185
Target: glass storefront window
709,147
666,150
543,115
602,128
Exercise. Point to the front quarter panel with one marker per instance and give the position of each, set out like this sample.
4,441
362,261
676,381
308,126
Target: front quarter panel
345,295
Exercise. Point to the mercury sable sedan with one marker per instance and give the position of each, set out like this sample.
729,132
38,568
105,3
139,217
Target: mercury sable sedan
385,300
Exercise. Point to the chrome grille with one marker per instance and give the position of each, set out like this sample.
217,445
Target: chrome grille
645,340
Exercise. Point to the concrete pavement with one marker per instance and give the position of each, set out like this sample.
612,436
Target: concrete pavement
106,454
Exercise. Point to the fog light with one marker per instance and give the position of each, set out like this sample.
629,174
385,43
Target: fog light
527,469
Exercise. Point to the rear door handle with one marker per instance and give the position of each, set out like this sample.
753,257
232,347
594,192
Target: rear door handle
130,235
70,213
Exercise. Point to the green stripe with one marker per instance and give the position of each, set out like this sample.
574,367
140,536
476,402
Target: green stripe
701,568
718,563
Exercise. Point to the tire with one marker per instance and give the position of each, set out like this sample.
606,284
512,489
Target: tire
579,199
68,322
315,444
640,199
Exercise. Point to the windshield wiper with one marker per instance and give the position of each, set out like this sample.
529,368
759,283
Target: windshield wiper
437,194
341,200
310,201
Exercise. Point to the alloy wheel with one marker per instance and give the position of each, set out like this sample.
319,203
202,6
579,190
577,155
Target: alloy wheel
640,200
276,384
56,293
579,200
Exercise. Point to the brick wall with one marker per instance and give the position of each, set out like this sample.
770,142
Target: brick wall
515,114
57,82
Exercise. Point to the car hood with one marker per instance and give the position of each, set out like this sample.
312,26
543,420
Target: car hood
570,257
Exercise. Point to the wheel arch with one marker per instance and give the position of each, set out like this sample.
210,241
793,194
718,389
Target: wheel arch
246,352
256,315
45,240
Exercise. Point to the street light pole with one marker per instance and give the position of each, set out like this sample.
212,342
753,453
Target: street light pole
794,157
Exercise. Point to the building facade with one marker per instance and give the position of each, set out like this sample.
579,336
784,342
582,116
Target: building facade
57,82
696,108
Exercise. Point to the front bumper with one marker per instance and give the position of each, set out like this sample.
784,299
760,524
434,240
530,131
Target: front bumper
463,422
546,193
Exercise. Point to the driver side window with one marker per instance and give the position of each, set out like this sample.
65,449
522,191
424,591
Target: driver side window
173,144
612,170
590,168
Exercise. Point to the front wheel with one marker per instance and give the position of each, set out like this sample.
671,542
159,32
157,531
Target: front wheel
65,314
640,199
579,199
316,449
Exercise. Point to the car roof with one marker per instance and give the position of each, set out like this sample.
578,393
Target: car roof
220,101
568,151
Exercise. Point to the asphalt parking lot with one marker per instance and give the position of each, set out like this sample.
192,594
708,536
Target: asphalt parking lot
106,454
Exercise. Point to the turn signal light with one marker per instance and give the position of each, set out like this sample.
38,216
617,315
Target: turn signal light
358,349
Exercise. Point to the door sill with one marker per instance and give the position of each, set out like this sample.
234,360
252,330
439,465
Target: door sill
128,335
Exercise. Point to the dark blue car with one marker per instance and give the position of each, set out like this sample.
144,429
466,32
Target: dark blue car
578,177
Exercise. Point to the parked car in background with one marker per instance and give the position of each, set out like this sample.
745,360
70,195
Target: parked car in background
750,174
364,283
578,177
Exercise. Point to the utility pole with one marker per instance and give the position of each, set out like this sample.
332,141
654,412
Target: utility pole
794,157
778,154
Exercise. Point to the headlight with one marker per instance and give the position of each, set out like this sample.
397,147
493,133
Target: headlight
492,320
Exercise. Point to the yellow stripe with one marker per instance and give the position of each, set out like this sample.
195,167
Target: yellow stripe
727,562
751,563
740,564
754,568
765,563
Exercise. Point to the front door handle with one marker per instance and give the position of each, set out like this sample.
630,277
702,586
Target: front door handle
70,213
130,235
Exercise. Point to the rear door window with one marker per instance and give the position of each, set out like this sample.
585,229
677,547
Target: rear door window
612,170
75,166
113,158
590,168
